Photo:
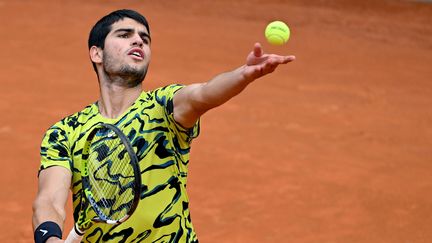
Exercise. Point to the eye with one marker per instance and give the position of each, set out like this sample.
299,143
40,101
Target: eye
125,35
145,39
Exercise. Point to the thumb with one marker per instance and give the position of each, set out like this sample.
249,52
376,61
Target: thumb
256,56
258,51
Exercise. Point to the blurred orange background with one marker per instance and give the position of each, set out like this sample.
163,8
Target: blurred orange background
334,147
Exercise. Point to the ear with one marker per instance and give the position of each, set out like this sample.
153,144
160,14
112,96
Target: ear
96,54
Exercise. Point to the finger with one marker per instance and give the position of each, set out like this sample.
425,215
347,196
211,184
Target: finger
276,60
258,51
288,59
271,66
281,59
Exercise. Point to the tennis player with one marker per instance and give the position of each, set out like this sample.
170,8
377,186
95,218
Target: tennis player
160,124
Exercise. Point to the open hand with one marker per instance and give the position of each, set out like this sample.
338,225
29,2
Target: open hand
259,64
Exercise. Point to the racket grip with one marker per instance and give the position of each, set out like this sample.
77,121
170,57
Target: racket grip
74,236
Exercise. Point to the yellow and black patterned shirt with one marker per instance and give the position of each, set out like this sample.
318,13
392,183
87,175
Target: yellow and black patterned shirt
162,147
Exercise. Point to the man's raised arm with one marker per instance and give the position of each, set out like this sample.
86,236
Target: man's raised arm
194,100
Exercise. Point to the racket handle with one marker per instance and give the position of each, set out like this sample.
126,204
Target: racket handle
74,237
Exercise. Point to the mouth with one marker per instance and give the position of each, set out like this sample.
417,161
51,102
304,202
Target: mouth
136,53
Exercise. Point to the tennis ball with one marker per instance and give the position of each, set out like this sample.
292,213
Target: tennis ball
277,33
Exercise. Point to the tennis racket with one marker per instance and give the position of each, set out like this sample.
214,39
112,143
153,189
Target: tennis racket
110,177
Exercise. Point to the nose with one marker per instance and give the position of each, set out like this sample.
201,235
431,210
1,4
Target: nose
137,41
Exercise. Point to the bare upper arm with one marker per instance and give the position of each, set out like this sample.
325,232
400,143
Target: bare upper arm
55,182
53,190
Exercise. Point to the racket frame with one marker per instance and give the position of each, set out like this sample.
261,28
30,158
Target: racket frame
86,195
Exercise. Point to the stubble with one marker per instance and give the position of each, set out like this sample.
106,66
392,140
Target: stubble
124,75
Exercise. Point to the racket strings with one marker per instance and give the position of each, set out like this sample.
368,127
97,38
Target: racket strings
111,176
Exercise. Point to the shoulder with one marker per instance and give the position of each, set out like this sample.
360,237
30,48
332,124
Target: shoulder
165,94
75,120
167,91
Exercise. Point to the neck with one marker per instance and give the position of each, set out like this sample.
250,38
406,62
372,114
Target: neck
115,100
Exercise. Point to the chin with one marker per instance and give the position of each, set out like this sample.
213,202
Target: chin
134,77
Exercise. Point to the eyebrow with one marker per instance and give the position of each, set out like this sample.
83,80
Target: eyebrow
129,30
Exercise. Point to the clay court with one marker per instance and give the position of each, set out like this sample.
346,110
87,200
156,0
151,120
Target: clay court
334,147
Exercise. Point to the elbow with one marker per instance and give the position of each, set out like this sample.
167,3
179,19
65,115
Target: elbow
45,209
37,207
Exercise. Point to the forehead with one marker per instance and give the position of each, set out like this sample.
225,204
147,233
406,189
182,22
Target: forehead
128,23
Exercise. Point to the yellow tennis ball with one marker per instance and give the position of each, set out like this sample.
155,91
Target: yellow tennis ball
277,33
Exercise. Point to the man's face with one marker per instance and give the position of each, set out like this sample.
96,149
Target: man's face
127,51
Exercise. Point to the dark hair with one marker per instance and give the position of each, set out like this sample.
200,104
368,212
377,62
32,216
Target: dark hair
101,29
